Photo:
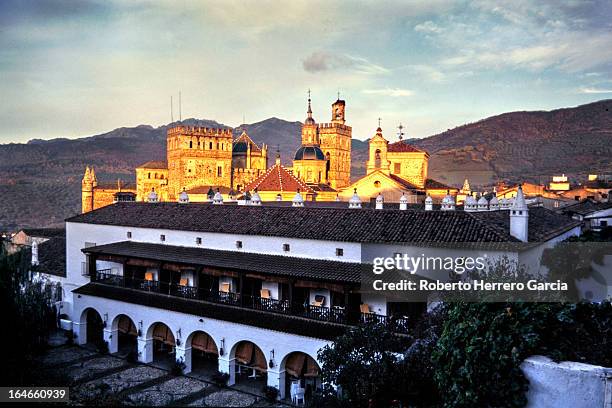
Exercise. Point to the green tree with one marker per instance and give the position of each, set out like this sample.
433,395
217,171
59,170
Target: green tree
26,312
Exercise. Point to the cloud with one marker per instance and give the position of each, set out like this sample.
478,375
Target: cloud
594,91
320,61
394,92
428,27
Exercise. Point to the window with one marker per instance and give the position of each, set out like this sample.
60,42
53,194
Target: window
162,238
339,252
377,184
190,144
149,175
397,168
286,247
129,234
210,146
198,241
219,171
238,244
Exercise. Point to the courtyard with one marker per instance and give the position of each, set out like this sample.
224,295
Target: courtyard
105,379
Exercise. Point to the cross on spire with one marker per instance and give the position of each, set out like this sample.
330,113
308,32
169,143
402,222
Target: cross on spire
400,134
338,94
379,119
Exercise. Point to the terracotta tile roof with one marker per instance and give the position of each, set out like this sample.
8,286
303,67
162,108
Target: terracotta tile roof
544,224
586,206
52,256
278,178
304,268
436,185
330,224
401,147
405,183
154,164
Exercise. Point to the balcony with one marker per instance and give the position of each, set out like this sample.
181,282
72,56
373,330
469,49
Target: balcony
336,315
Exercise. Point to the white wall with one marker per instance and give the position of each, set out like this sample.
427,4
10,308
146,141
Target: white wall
567,384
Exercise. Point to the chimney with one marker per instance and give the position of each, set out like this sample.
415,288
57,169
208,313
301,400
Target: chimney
519,217
298,201
428,203
379,201
403,202
355,201
34,253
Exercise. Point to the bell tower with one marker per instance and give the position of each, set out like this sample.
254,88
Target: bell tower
378,152
335,138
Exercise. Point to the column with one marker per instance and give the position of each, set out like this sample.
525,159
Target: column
145,350
276,379
228,366
183,354
111,337
80,333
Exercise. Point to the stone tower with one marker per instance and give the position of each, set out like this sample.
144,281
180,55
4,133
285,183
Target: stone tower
309,162
87,190
335,142
198,156
378,153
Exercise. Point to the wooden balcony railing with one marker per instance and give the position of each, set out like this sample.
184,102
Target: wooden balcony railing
333,314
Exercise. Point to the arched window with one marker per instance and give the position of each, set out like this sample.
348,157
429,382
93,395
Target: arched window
377,184
377,158
191,144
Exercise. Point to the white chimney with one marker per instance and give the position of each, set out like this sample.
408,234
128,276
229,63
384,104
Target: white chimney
34,253
428,203
379,201
355,201
519,217
403,202
298,201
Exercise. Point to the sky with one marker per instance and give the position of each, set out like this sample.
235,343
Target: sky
78,68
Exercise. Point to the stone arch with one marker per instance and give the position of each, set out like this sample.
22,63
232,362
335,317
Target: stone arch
301,372
92,321
125,335
201,352
162,343
249,362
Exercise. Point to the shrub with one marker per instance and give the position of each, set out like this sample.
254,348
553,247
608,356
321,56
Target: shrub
132,357
271,393
102,347
177,368
220,379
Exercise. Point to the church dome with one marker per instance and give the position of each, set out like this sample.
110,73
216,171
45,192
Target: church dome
309,153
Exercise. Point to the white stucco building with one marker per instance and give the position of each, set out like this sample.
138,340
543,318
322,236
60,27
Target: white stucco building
257,290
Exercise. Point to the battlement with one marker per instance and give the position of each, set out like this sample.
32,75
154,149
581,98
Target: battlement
333,125
200,131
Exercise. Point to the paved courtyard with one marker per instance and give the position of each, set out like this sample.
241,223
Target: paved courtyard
96,379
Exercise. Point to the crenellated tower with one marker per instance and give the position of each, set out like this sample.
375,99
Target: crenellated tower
198,156
335,142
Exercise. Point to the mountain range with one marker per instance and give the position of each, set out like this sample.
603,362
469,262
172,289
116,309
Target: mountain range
40,180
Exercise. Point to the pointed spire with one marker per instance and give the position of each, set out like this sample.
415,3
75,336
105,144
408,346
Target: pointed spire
519,201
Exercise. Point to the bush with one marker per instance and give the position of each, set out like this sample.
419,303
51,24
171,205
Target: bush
482,346
102,347
177,368
271,393
132,357
220,379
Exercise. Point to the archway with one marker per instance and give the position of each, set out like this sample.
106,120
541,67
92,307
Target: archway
204,353
94,333
302,375
127,335
251,366
163,344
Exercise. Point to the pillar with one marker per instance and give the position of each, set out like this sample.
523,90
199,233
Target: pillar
80,332
111,337
228,366
276,379
145,350
183,354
